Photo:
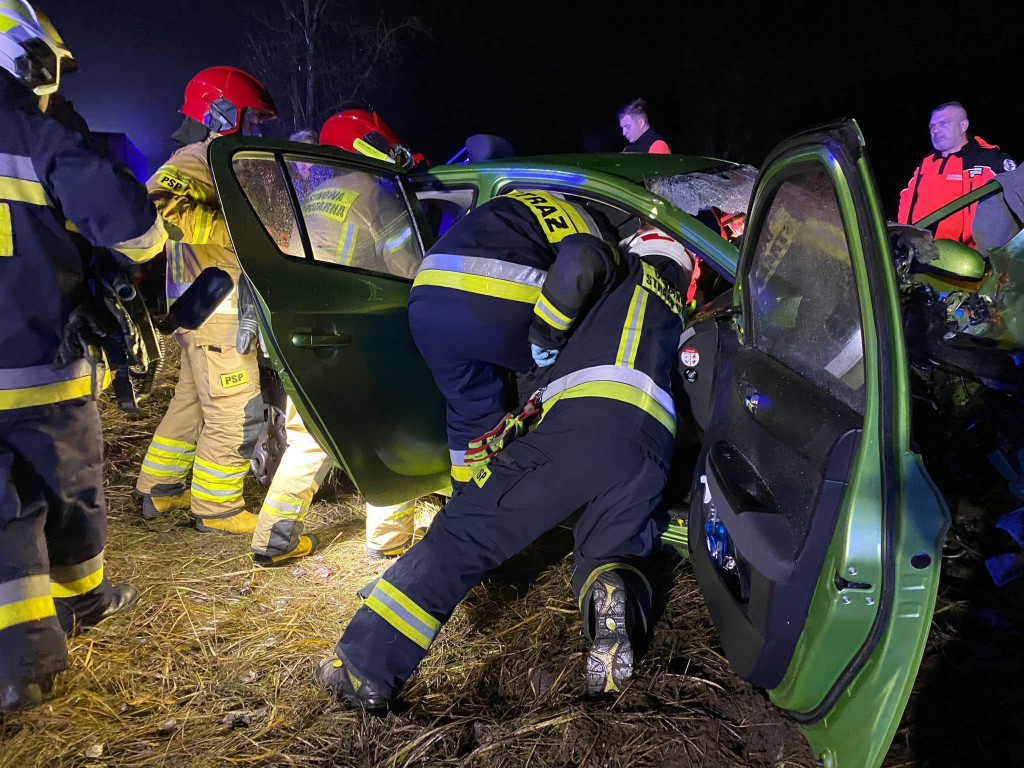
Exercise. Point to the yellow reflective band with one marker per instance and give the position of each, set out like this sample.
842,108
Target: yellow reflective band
169,457
403,510
78,586
557,218
6,231
231,469
629,343
462,474
418,613
211,483
70,226
213,494
417,625
346,245
33,609
624,393
485,286
168,443
147,245
46,394
286,506
363,148
22,191
7,23
547,312
612,567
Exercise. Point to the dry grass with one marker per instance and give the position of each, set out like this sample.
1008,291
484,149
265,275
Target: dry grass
215,640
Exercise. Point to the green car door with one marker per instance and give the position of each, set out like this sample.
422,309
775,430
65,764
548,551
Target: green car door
329,244
814,531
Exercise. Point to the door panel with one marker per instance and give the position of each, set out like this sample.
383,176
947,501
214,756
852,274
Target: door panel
329,244
801,532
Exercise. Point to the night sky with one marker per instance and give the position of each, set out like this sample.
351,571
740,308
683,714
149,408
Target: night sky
720,79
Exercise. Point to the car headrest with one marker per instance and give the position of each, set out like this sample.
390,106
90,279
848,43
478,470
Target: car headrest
484,146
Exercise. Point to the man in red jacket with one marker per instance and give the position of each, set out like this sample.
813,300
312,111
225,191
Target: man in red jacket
959,164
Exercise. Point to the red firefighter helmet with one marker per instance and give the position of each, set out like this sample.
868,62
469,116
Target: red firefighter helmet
362,132
218,96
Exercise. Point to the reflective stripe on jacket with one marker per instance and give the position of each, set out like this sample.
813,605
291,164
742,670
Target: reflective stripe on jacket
52,183
183,192
624,347
504,248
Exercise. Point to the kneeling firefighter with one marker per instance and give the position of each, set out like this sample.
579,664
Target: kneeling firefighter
602,449
52,509
214,418
476,293
351,221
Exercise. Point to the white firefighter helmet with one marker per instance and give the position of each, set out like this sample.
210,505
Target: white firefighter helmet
31,48
649,241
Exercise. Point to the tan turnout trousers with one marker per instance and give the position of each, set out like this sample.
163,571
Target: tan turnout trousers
210,429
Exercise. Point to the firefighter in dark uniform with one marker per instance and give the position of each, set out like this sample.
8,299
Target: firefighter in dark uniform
602,449
52,514
476,293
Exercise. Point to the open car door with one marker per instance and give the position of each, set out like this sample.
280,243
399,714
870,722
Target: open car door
330,244
815,532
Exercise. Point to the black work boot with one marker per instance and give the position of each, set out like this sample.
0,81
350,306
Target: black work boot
24,695
338,678
610,662
122,597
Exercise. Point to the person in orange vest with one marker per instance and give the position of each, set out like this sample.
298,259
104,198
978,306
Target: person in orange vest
960,163
636,128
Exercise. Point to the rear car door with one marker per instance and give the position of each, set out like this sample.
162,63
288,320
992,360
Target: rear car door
815,532
330,243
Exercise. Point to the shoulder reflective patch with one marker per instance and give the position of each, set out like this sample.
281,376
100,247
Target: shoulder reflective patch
481,475
6,231
228,380
557,218
657,285
331,204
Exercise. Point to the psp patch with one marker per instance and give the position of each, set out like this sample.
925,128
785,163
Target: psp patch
228,380
481,475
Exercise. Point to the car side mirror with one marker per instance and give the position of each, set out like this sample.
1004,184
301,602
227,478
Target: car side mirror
195,306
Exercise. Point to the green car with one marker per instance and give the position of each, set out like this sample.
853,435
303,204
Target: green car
816,533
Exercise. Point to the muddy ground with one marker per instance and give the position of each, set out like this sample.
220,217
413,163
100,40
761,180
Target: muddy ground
214,667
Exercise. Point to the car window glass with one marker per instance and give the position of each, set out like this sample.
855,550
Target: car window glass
261,180
444,207
803,302
354,218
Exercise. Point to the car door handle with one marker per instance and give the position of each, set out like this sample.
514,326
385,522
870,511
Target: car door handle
309,340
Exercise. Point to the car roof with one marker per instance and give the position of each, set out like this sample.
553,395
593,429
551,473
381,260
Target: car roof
631,167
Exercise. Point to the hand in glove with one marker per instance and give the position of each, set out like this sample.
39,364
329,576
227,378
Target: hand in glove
543,357
85,328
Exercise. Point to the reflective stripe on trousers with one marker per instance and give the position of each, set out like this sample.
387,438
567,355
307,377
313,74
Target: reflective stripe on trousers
403,614
44,384
476,274
27,599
